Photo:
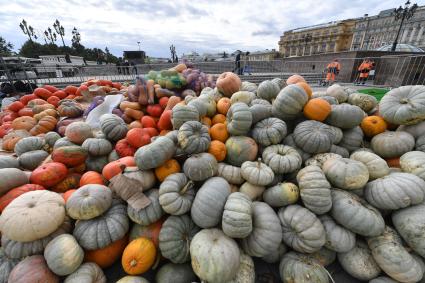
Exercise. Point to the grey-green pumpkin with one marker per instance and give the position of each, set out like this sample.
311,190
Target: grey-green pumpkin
338,238
290,102
268,90
155,154
96,163
249,86
413,162
88,272
337,92
51,138
282,194
32,159
101,231
257,173
266,234
237,216
242,96
6,266
345,116
97,146
395,191
151,213
359,262
320,158
239,119
29,144
175,237
200,166
89,201
269,131
313,136
393,258
208,206
404,105
345,173
392,144
231,173
11,178
376,166
176,194
302,230
8,162
352,139
298,267
420,143
355,214
182,114
315,189
246,270
63,142
176,273
365,101
260,111
193,137
63,255
113,127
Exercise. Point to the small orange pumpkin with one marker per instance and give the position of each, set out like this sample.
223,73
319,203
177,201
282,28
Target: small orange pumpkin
66,195
124,148
218,118
373,125
223,105
24,123
317,109
393,162
138,256
295,79
218,149
228,83
206,121
169,167
116,167
12,137
108,255
307,88
91,177
219,132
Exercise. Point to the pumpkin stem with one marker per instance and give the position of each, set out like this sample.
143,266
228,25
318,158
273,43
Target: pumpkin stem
133,263
259,162
188,186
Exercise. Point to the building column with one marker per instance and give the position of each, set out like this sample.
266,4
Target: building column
411,35
404,35
311,50
419,37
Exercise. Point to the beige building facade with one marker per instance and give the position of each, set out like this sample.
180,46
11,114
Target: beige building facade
373,32
323,38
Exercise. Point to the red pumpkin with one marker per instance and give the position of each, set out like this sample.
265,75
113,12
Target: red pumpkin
150,231
49,174
117,85
61,94
71,89
16,192
163,102
82,90
116,167
27,98
50,88
138,137
54,100
10,117
42,93
164,122
91,177
5,129
148,122
71,156
123,148
16,106
154,110
152,132
228,83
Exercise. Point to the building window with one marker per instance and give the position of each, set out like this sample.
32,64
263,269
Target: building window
332,46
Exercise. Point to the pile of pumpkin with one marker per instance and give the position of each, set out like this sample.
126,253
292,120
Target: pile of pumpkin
199,185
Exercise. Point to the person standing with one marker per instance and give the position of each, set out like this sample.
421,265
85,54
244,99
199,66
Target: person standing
238,62
246,67
364,70
332,70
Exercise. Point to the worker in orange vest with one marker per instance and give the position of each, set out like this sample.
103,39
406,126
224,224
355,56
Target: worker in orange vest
364,70
332,70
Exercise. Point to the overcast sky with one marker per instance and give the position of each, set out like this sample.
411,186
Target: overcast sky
200,25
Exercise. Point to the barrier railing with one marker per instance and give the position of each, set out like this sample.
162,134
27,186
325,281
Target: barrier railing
389,71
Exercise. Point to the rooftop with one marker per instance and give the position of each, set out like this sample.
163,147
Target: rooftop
401,47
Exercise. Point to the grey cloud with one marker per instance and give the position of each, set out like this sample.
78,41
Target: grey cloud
264,32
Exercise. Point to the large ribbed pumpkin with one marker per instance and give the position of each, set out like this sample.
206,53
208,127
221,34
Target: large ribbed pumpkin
16,192
182,114
392,144
345,116
113,127
71,156
239,119
138,256
155,154
240,149
89,201
78,132
228,83
290,102
268,90
49,174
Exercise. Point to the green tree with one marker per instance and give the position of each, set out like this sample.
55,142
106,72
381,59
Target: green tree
5,47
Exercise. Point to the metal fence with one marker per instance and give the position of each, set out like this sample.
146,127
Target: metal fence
390,71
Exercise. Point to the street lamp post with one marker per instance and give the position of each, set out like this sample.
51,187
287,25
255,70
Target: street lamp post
59,30
138,43
307,39
403,14
27,30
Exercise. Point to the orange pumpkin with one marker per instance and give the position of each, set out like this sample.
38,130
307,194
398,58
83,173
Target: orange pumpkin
66,195
44,125
206,121
5,129
393,162
116,167
223,105
138,137
169,167
317,109
16,106
42,93
16,192
71,89
295,79
54,100
49,174
26,111
373,125
218,149
47,112
164,122
164,132
148,122
163,102
27,98
12,137
219,132
123,148
50,88
60,94
218,118
108,255
150,231
138,256
24,123
134,125
82,90
91,177
71,182
307,88
172,101
228,83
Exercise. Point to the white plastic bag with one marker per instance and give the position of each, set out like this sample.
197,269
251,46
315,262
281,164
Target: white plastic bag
111,102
